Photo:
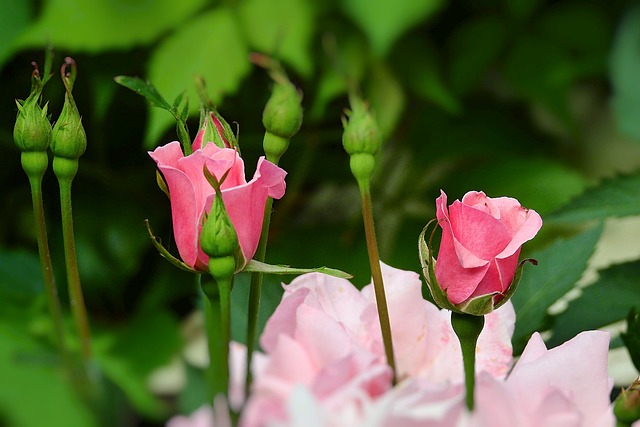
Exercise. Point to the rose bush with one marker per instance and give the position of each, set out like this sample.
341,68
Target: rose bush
480,246
191,194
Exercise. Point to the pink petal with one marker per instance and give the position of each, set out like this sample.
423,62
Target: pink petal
478,200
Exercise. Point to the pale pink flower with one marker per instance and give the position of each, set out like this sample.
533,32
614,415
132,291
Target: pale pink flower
191,195
325,336
205,416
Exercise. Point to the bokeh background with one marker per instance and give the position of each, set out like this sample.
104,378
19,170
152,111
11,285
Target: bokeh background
534,99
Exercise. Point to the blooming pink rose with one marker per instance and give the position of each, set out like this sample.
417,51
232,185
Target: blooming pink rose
191,195
325,337
481,240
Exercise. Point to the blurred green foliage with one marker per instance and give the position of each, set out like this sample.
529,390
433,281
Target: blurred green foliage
533,99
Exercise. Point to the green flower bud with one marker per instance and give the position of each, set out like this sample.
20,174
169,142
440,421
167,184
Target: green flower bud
282,116
627,405
219,240
68,139
32,131
361,132
214,128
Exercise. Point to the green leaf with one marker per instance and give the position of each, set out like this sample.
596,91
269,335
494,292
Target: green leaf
33,392
283,29
631,337
387,98
98,25
13,19
211,46
128,356
624,72
261,267
419,63
145,89
384,21
606,301
20,275
473,48
560,266
613,197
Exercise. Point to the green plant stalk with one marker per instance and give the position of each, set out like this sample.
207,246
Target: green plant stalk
53,301
468,327
76,299
376,274
255,291
255,287
217,311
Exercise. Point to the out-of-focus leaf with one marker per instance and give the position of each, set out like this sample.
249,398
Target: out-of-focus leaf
282,29
387,98
97,25
418,62
34,392
521,8
145,89
210,46
631,337
13,19
569,41
606,301
384,21
559,267
20,274
473,47
128,356
624,72
196,392
614,197
347,62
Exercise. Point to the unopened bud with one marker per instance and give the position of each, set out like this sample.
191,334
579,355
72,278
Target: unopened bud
32,131
627,405
214,128
282,116
361,140
219,240
68,139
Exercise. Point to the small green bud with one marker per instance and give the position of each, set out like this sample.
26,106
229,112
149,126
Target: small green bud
627,405
282,116
32,131
214,128
68,139
219,240
361,132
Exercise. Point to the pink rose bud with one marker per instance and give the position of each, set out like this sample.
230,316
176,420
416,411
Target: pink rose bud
479,250
214,129
191,195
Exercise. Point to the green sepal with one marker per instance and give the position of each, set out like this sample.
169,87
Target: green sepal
162,184
515,282
428,270
478,306
254,266
164,252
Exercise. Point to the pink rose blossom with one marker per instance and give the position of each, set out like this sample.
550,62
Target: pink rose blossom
325,336
481,240
191,195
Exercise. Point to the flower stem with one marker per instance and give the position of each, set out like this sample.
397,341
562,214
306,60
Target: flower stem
45,263
468,327
376,273
255,291
217,310
76,298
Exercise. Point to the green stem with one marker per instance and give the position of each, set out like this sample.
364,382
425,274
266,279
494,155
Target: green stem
468,327
61,167
255,288
45,264
254,293
376,273
217,310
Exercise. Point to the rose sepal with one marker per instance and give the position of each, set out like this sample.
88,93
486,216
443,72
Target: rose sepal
254,266
164,252
478,306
